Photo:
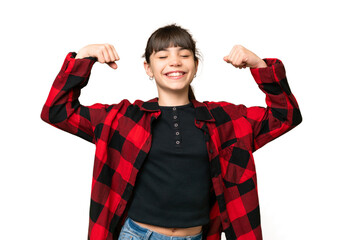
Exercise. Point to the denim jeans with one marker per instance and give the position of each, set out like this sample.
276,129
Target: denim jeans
132,231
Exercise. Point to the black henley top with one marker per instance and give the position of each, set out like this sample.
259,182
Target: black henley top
172,187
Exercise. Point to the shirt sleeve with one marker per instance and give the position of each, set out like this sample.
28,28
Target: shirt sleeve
62,108
282,112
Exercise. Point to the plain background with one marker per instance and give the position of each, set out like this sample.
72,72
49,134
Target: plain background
308,179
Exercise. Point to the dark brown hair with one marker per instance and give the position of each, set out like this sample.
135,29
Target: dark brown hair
171,36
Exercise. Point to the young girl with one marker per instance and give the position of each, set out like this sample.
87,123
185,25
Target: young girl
173,167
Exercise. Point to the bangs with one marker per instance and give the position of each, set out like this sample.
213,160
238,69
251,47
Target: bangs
169,36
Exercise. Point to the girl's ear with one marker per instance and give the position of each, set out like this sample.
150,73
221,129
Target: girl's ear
196,65
148,69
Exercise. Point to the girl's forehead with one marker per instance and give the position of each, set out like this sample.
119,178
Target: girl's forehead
171,48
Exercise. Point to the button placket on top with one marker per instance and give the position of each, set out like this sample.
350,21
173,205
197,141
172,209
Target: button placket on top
176,125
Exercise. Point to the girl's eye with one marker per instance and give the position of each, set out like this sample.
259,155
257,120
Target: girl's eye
162,57
185,56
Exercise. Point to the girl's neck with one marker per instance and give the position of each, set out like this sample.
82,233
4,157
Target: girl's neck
173,99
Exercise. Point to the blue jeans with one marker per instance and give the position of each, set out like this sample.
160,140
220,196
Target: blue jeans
132,231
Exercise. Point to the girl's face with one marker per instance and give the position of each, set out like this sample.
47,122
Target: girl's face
173,69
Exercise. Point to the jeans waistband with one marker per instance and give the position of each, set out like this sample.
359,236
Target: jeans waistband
137,227
143,231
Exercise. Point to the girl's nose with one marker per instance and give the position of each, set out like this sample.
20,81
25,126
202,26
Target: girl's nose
175,61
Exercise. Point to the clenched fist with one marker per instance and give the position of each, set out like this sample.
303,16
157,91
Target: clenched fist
241,57
105,53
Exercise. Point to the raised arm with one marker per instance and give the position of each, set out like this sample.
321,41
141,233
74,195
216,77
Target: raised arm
282,112
62,108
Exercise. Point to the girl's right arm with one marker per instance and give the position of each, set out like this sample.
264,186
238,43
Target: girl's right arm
62,108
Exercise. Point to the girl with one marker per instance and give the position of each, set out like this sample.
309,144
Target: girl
173,167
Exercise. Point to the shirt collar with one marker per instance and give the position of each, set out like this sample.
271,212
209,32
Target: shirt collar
202,111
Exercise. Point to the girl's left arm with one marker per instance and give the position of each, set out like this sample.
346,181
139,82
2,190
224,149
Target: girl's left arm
282,112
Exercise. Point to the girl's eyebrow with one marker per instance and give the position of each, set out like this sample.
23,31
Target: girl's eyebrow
166,49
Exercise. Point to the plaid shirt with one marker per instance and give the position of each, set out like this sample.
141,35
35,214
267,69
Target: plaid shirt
122,134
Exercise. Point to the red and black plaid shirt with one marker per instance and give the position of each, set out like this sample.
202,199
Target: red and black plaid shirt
122,134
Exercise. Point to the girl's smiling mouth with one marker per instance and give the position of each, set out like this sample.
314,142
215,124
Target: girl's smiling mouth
175,74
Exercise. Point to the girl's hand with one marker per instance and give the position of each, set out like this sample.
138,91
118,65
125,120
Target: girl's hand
105,53
241,57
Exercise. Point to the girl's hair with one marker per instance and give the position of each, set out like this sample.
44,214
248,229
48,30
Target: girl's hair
171,36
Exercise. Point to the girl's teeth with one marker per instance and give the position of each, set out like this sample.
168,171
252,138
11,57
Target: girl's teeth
175,74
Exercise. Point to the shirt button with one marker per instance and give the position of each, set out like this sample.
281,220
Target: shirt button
211,151
177,133
177,142
175,117
176,125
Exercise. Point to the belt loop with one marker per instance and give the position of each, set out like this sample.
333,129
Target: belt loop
148,234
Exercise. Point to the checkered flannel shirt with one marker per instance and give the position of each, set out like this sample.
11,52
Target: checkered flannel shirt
122,134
